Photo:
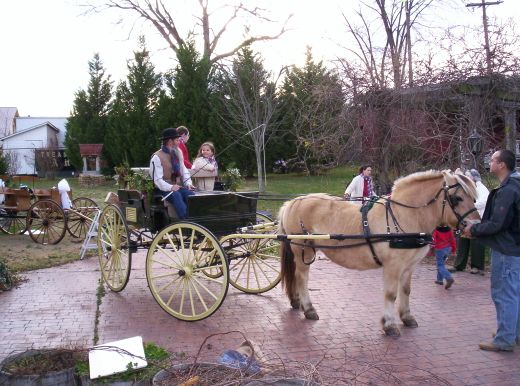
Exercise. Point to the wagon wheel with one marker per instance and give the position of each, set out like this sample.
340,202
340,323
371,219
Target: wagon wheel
115,256
175,265
81,216
46,222
11,222
254,264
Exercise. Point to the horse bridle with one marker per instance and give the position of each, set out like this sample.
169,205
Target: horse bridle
453,200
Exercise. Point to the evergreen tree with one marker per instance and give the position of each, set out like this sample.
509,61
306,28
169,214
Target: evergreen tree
188,85
133,133
89,117
313,102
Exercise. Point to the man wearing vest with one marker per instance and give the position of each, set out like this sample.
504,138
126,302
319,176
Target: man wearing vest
169,173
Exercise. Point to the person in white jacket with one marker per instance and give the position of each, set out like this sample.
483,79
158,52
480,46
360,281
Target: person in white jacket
361,187
466,247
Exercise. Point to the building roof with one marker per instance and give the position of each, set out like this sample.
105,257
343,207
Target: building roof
30,129
90,149
7,123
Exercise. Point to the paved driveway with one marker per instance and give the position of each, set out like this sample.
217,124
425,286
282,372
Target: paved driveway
57,307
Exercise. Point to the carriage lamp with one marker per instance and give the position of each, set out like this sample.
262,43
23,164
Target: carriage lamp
475,142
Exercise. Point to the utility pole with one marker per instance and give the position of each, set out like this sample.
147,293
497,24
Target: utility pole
408,6
483,4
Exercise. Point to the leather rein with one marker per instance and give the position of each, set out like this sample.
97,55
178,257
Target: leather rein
451,199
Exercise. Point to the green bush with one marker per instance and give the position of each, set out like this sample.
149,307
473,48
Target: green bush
6,278
4,163
232,179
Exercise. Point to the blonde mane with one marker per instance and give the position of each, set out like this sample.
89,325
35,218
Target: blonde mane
416,177
465,182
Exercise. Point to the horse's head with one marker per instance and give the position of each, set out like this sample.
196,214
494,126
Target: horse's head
458,200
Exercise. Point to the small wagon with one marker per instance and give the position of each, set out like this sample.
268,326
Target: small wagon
39,212
190,262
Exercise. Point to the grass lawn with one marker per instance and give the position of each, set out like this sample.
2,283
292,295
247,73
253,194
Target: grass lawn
22,254
333,182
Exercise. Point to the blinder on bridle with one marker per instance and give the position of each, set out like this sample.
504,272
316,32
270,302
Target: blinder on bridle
453,200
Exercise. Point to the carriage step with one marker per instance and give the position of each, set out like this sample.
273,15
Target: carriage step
92,232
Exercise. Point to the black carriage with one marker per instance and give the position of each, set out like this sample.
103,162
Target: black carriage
189,262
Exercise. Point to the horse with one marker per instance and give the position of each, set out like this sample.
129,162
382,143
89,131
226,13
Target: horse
418,203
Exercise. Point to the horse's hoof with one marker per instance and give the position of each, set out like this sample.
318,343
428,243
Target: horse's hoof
410,322
392,331
311,314
295,304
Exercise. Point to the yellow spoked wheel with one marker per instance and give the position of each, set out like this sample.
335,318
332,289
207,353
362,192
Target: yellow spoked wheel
115,254
176,269
12,222
46,222
81,216
254,264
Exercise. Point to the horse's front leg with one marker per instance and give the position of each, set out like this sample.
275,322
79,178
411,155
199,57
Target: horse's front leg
404,298
302,285
391,279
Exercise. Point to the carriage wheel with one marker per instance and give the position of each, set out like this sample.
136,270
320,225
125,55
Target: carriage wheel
46,222
175,269
81,216
254,264
11,222
115,256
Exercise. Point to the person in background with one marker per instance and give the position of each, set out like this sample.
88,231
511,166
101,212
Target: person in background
465,245
361,187
444,243
205,169
500,230
169,173
185,136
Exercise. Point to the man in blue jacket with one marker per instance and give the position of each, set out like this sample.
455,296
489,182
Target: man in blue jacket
500,230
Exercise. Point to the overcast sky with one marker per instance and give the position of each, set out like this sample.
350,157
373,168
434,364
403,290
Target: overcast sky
46,44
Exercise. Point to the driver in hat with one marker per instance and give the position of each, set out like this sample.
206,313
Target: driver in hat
169,173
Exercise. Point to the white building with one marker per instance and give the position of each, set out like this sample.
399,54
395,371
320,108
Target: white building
22,137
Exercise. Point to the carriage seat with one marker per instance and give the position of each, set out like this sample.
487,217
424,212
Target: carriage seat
17,199
171,210
157,199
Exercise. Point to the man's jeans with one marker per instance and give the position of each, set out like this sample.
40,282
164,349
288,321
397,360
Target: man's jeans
179,200
441,255
505,292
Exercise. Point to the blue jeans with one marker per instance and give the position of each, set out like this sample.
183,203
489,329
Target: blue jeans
505,292
441,255
179,200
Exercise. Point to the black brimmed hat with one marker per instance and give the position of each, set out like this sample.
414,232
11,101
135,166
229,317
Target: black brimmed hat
170,133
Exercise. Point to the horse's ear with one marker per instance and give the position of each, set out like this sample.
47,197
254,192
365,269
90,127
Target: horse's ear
459,171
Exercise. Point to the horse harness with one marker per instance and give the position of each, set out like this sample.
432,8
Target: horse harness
404,243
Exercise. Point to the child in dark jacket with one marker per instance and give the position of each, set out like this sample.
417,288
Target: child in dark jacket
444,244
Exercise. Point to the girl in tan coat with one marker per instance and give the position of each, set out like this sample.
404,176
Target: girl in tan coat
205,169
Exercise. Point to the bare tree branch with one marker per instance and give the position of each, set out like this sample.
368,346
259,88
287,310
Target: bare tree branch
157,14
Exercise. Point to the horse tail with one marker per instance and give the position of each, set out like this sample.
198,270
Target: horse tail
288,267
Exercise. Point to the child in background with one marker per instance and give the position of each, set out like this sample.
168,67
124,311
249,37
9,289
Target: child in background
444,244
205,169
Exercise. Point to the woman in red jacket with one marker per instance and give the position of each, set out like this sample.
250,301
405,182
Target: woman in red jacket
444,244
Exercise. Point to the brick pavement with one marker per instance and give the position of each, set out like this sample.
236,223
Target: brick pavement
57,306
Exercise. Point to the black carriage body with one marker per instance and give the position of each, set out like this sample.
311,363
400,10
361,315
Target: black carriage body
223,212
220,212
